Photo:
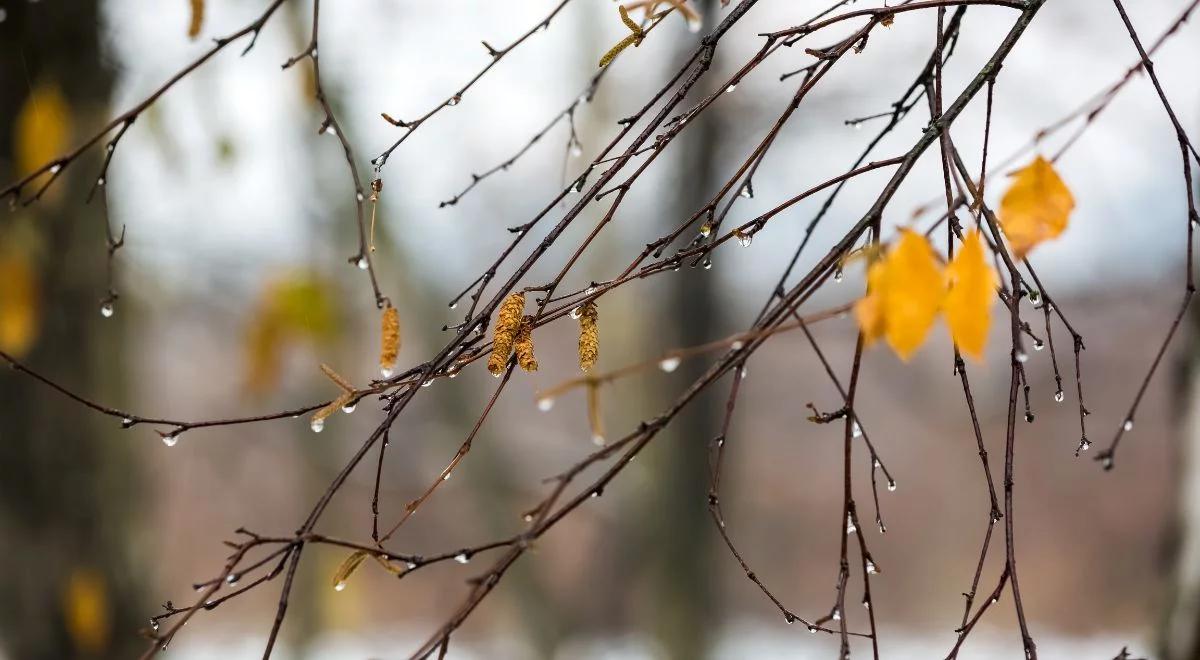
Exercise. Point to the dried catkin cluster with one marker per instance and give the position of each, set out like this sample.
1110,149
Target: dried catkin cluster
508,325
390,343
589,336
523,345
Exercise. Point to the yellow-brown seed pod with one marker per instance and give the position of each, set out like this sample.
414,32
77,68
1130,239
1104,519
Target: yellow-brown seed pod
390,342
523,345
589,336
508,324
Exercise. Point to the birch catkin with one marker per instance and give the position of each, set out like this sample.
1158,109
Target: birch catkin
390,342
508,324
197,20
523,345
589,336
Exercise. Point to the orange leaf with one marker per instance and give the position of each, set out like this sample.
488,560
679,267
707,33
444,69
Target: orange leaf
906,292
972,292
1036,207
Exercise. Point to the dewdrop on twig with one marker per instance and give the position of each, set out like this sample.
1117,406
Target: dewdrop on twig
317,424
589,336
508,324
390,342
523,345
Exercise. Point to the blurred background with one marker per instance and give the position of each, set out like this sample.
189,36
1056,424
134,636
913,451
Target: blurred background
233,202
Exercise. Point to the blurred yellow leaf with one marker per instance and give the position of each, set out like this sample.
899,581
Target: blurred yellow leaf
19,302
42,129
293,308
906,289
86,611
972,292
1036,207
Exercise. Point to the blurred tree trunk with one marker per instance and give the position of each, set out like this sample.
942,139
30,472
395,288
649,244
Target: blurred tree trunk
681,541
68,478
1180,638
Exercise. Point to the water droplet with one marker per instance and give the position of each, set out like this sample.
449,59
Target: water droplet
856,125
731,88
577,312
871,568
154,624
669,364
1029,417
706,230
56,168
1022,357
527,517
866,603
427,383
126,421
812,629
1107,462
707,263
1034,296
743,239
359,196
837,615
747,191
856,430
995,599
876,464
850,527
1059,396
693,26
1128,426
317,425
838,275
597,440
545,403
744,372
340,586
171,439
576,150
349,407
361,263
454,100
100,182
595,493
1085,444
891,485
462,558
386,372
232,579
737,345
1039,345
590,290
107,310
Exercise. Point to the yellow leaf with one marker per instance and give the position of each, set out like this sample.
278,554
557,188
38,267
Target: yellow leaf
869,310
1036,207
907,289
291,309
19,303
86,611
347,569
972,292
42,130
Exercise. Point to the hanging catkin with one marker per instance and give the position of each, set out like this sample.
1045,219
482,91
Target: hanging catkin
197,20
523,345
589,336
389,346
508,324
